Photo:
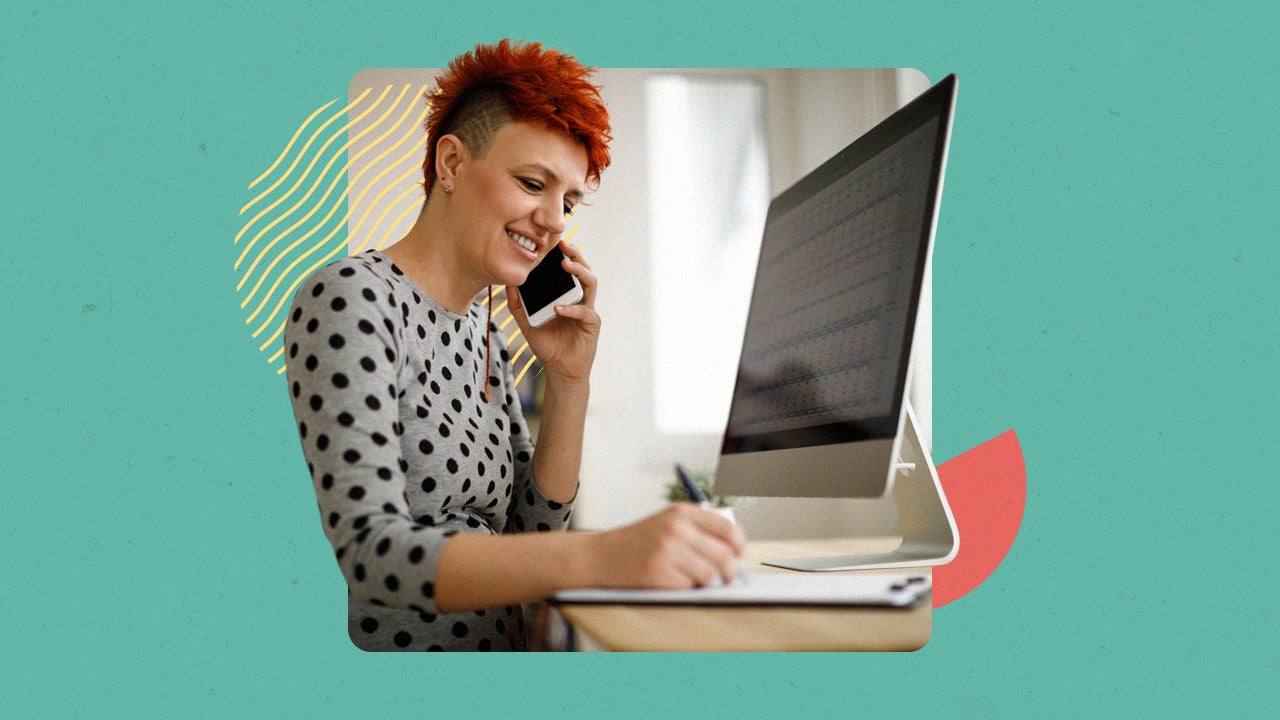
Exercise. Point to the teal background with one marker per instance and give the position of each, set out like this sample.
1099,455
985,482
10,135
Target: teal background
1103,285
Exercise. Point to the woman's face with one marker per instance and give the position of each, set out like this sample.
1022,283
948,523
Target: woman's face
512,202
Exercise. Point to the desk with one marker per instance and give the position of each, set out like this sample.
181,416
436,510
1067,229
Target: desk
687,628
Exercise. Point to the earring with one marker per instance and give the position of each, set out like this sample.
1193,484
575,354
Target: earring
448,188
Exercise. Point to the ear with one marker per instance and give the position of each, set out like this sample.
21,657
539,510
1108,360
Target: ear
451,153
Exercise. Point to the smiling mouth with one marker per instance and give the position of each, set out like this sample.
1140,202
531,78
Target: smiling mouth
523,241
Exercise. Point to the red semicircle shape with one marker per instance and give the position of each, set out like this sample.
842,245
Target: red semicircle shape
986,488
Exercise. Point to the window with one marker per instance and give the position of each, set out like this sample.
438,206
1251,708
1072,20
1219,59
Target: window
709,193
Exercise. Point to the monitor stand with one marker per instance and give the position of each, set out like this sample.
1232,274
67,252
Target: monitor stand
929,535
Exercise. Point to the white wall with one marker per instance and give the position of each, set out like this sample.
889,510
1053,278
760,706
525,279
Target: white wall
810,114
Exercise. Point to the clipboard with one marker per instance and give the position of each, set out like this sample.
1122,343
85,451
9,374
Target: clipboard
897,590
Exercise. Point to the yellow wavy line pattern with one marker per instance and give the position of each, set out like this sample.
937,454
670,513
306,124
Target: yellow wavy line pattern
311,161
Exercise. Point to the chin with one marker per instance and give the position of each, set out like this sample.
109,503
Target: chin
512,276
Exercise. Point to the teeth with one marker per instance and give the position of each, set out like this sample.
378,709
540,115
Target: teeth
523,241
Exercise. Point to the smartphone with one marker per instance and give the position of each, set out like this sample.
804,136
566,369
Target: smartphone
547,286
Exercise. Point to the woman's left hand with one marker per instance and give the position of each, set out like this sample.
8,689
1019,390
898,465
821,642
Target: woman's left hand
565,345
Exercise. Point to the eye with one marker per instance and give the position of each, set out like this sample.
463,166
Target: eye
531,185
568,210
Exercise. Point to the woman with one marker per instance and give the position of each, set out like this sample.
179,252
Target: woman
442,517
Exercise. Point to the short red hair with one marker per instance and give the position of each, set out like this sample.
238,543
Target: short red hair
532,85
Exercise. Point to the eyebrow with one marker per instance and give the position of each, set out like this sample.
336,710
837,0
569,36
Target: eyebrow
575,193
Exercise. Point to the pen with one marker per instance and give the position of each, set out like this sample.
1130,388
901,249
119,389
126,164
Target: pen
696,495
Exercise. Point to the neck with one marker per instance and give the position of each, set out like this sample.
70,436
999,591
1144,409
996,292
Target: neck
429,255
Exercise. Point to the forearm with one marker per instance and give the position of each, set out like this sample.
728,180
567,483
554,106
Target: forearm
558,460
483,571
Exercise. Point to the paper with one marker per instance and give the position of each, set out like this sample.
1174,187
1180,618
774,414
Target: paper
896,590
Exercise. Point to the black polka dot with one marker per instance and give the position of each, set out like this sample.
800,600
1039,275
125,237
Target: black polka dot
426,447
345,419
326,482
369,625
316,402
356,492
428,485
312,362
415,555
383,546
338,304
347,271
378,439
368,295
484,645
359,572
444,430
365,326
373,402
293,350
336,341
317,290
297,389
352,456
322,441
428,589
297,313
333,519
384,473
340,380
460,629
446,373
403,639
392,582
368,364
452,465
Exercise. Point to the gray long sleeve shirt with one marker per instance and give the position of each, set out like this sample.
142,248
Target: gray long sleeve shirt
403,450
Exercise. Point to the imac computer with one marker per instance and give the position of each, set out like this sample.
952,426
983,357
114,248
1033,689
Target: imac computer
820,404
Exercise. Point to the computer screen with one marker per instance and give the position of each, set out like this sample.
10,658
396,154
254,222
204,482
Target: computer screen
819,398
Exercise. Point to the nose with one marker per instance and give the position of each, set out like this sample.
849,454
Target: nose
550,216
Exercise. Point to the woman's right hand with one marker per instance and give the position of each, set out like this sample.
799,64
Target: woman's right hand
684,546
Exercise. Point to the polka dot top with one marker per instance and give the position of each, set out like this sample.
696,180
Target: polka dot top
404,451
